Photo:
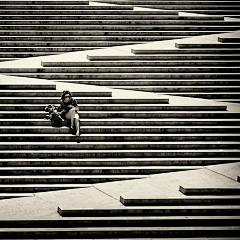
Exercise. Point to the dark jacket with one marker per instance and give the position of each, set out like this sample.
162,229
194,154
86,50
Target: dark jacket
65,106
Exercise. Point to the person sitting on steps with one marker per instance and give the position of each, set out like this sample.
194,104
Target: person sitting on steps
69,108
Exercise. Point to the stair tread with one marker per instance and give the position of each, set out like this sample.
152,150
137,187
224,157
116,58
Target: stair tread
17,221
124,229
123,150
121,127
69,176
98,168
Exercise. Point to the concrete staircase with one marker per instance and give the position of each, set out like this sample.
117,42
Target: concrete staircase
38,28
208,71
120,139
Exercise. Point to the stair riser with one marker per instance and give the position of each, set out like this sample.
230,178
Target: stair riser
80,101
119,154
27,87
229,40
117,27
121,70
120,130
71,33
183,89
66,41
83,172
36,54
120,108
160,83
123,233
129,76
118,22
124,222
53,180
123,138
148,212
179,202
53,49
215,45
44,2
177,56
14,46
118,147
54,94
116,163
90,12
60,7
124,123
34,115
138,64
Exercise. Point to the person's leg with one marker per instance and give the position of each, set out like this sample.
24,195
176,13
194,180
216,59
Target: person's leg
77,125
74,118
70,116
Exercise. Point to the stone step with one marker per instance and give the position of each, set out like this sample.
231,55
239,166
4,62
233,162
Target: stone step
65,211
119,130
225,190
201,9
15,55
111,17
13,190
133,115
120,232
49,93
26,34
115,146
15,195
116,162
170,137
136,27
60,46
179,201
16,51
184,89
157,83
172,2
169,56
224,95
185,51
12,184
74,77
79,70
119,22
127,122
82,100
35,41
31,171
115,107
124,222
217,12
36,9
208,45
229,39
113,10
38,2
228,153
142,63
17,86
